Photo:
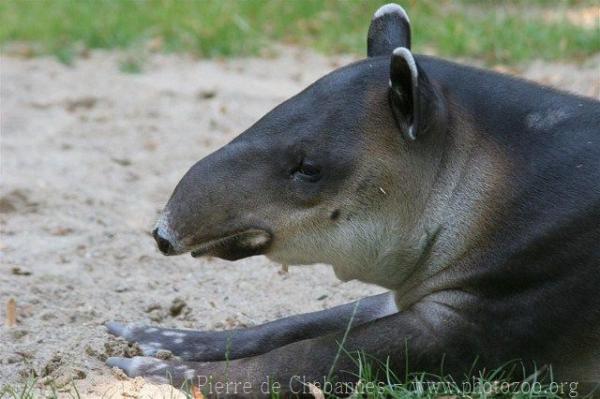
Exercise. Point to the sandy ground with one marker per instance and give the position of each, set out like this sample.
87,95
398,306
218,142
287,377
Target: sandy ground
89,155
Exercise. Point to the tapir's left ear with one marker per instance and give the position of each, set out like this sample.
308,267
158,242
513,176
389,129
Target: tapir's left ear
415,102
404,91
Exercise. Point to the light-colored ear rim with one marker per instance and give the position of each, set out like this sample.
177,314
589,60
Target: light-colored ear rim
408,57
391,8
389,28
411,133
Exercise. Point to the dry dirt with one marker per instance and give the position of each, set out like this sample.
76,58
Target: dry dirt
89,155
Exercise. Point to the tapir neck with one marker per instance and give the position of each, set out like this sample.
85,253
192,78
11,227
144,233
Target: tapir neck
461,208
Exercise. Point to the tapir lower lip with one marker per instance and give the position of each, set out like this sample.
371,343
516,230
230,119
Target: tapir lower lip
244,237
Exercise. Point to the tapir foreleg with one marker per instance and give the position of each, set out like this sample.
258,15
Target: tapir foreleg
429,336
234,344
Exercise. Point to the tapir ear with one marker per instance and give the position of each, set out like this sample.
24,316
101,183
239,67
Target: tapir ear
390,28
404,91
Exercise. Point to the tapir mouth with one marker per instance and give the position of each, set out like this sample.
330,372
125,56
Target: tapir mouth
233,246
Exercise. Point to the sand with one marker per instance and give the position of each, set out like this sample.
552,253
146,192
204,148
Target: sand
89,155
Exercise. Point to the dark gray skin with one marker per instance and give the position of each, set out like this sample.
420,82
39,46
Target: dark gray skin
473,196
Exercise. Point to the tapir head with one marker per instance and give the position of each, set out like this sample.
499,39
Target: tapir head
332,175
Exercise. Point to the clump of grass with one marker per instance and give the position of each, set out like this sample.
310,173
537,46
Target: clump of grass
506,382
28,390
494,31
65,55
130,65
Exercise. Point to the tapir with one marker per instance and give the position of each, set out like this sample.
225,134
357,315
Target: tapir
472,196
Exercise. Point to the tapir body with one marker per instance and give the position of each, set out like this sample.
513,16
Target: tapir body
472,196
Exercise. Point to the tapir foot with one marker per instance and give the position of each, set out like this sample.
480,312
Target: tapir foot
173,372
185,344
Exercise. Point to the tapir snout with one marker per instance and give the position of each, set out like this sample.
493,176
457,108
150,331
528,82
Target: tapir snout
208,211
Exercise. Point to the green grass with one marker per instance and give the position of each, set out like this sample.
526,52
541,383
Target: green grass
490,30
28,390
131,65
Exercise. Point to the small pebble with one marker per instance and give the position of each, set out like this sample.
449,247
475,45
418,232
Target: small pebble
163,354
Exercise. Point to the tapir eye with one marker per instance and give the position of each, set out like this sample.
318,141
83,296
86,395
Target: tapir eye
306,171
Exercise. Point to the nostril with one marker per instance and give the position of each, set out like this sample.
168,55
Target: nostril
164,245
